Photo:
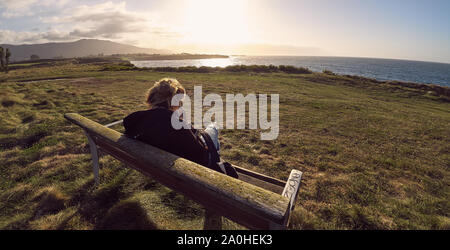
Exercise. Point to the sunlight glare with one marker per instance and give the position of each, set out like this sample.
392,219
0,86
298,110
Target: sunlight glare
217,22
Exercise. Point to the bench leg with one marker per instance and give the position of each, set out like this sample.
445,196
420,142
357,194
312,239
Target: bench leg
213,221
94,154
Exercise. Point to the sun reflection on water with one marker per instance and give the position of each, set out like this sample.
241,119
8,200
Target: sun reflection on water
216,62
213,62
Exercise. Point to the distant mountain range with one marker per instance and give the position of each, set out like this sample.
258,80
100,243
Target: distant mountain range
80,48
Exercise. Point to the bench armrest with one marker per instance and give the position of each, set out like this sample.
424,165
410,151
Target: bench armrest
292,187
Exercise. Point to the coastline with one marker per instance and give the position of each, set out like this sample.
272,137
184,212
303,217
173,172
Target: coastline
380,69
114,63
434,88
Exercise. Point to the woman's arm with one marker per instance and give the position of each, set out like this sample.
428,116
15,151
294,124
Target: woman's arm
187,144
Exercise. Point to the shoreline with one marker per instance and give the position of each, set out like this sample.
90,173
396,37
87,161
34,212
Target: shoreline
380,69
438,89
114,63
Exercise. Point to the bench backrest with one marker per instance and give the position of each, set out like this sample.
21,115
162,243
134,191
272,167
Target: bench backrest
244,203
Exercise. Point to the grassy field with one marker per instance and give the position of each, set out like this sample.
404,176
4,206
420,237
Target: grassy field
374,156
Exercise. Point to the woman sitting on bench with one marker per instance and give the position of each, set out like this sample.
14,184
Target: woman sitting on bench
154,127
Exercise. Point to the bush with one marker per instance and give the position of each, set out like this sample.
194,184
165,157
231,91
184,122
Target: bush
119,67
294,70
235,68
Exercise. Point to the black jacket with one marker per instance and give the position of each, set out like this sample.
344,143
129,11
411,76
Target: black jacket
154,127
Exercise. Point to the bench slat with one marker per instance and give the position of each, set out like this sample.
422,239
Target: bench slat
261,177
246,204
258,182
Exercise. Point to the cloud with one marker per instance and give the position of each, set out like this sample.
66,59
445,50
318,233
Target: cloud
16,8
20,37
55,35
21,8
106,20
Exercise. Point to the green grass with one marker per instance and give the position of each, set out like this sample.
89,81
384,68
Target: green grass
23,64
374,155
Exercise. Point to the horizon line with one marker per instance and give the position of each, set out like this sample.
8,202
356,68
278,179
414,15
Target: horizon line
262,54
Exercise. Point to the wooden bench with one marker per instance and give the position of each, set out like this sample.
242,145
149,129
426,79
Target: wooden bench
254,200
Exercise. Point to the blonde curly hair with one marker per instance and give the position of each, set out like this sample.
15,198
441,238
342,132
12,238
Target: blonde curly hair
162,92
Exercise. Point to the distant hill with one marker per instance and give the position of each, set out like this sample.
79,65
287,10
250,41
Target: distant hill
80,48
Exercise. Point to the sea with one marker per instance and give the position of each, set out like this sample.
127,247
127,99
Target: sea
380,69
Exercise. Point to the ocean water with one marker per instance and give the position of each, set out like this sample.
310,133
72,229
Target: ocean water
380,69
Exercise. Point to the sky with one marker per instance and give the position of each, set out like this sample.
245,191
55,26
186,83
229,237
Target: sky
400,29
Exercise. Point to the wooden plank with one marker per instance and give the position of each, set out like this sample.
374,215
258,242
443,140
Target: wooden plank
251,221
249,205
260,183
260,176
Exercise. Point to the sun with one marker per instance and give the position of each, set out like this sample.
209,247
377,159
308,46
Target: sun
217,22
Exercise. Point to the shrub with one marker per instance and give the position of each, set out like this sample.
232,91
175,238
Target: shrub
294,70
235,68
119,67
